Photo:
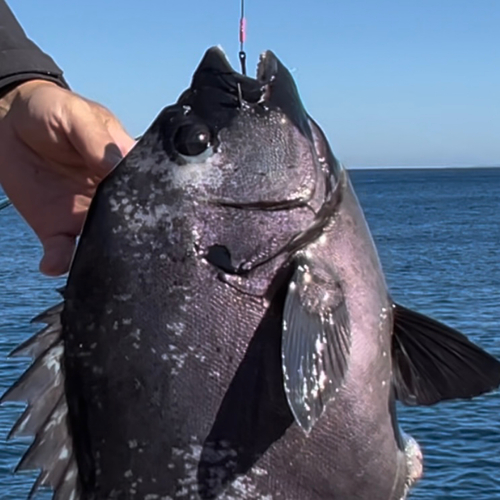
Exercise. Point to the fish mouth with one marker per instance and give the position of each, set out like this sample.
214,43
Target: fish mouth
217,88
216,59
267,66
216,62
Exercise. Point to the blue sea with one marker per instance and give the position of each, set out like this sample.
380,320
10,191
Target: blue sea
438,235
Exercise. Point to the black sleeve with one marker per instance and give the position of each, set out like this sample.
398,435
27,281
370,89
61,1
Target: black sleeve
20,58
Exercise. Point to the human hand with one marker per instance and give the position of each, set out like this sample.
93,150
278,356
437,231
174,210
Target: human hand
55,148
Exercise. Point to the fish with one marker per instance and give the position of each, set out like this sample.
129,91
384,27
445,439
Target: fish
226,329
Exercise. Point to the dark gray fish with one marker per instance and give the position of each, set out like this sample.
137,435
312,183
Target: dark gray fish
226,330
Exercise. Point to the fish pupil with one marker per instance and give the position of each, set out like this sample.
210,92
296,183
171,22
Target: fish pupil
192,139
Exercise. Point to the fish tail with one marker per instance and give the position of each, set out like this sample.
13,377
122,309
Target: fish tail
46,415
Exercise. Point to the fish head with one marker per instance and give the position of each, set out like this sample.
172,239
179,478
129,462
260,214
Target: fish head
235,140
233,154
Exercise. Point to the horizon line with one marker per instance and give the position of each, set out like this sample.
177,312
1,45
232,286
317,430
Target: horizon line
419,167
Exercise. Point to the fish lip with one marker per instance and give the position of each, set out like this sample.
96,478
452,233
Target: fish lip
216,71
281,92
216,84
267,67
216,60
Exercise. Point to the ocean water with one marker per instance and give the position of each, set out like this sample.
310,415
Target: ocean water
438,235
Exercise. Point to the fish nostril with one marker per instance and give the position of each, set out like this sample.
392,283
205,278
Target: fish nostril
220,257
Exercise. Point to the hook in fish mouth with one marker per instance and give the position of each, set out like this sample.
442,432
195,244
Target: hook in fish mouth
217,90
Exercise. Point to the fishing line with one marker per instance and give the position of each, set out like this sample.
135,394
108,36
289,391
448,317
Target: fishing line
243,35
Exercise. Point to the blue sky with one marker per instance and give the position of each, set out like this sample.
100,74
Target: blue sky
392,83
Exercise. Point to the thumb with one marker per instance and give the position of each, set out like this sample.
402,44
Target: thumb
57,254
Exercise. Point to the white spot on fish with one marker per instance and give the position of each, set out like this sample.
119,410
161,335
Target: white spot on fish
179,360
123,297
52,361
259,471
200,357
177,328
70,475
195,234
318,345
322,380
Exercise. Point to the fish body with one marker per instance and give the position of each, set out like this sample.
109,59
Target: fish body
227,331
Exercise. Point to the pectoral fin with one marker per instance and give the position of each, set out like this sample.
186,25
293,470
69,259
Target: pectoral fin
433,362
316,341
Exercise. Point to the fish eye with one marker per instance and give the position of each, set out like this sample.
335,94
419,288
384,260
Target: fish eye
192,139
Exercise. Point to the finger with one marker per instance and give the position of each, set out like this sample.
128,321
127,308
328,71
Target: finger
121,138
57,254
124,142
91,137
